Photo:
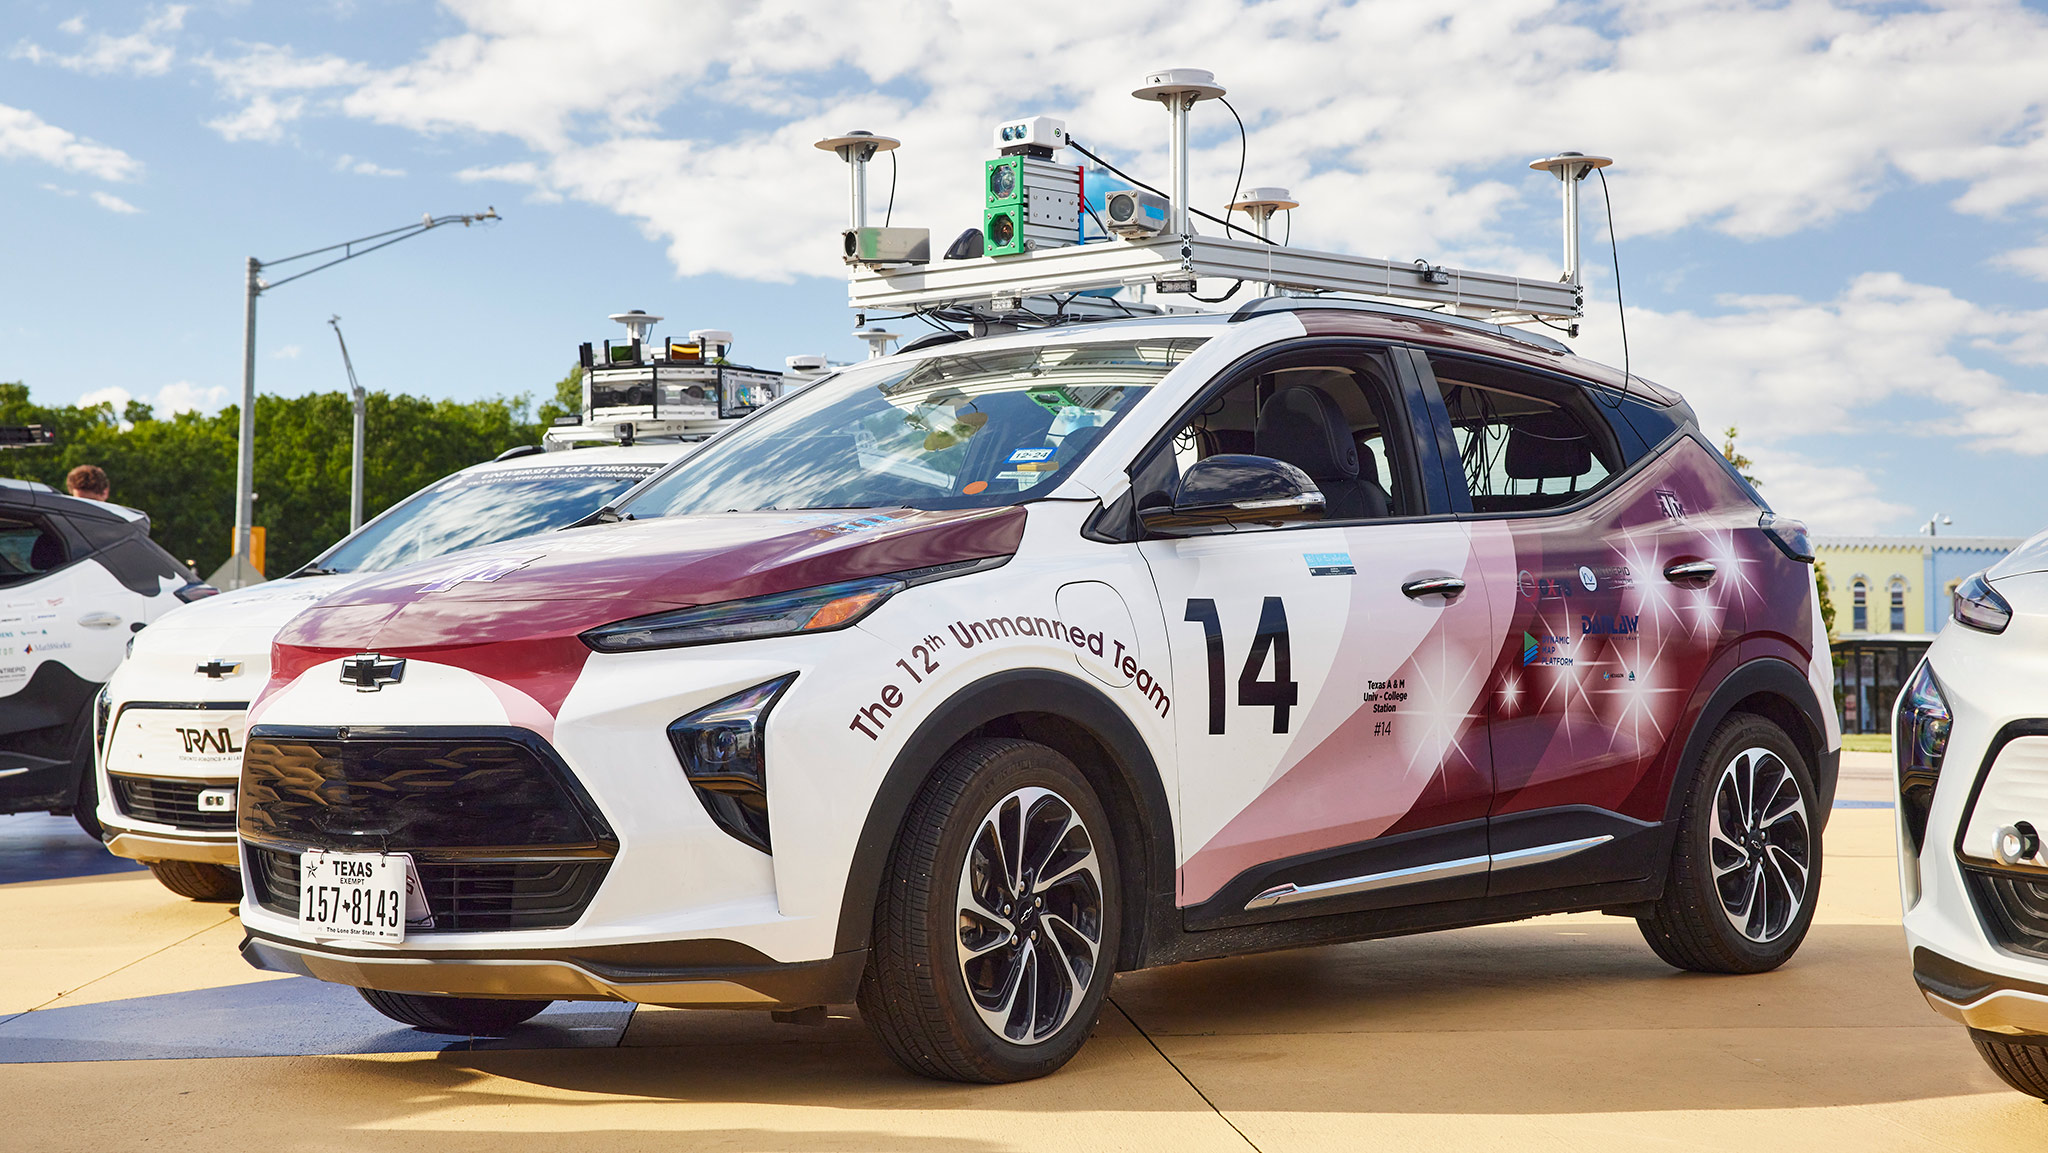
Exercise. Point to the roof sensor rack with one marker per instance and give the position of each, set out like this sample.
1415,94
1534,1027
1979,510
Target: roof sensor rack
1117,269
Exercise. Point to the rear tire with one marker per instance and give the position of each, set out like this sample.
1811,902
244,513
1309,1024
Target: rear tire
198,880
997,926
2021,1062
1745,870
464,1016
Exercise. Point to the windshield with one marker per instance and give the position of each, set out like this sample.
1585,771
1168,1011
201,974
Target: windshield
962,430
473,508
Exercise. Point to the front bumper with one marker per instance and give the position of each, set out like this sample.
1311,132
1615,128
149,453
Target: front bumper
1983,1001
702,974
153,846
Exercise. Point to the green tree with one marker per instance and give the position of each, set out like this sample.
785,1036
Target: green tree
182,470
1734,456
1827,604
568,399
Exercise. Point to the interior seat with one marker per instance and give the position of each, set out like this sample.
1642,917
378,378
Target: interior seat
1302,425
47,553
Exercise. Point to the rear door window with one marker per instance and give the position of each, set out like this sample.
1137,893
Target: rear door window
1525,442
28,548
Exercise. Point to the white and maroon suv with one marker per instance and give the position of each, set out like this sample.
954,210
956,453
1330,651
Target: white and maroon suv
978,673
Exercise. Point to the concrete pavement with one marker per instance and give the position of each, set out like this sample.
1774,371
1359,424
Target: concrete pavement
127,1022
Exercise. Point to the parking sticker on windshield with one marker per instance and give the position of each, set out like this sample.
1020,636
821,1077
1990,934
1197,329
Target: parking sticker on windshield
1030,455
1329,564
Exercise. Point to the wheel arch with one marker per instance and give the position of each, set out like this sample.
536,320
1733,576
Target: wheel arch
1065,714
1776,691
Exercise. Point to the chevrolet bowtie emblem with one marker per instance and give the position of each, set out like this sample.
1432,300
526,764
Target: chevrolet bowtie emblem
369,672
219,669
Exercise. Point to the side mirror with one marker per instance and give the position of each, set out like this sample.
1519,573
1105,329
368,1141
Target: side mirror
1236,489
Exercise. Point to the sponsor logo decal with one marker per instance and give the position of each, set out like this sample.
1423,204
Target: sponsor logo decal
1545,650
862,524
1603,625
1669,504
484,571
1329,564
216,740
370,672
1530,649
1587,578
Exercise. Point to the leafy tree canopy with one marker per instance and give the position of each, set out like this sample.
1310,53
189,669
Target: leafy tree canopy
181,469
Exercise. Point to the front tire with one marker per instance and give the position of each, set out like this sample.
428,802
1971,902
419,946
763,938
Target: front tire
1745,871
463,1016
85,797
2021,1062
997,926
198,880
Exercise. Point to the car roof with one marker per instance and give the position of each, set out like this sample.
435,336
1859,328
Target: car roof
25,495
1335,317
654,453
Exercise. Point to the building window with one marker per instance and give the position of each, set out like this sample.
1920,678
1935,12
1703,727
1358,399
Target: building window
1898,605
1859,607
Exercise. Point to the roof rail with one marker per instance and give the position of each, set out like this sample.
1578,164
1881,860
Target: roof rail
1271,304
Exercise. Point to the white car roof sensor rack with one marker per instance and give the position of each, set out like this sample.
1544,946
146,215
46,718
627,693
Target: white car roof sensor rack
644,389
1126,273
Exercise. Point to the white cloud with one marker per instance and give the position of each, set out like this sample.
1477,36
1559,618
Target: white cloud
271,81
1756,121
348,163
114,395
263,118
113,203
142,52
28,136
1830,498
288,352
2026,261
184,396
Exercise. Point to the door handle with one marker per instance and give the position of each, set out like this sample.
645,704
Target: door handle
100,620
1695,573
1445,587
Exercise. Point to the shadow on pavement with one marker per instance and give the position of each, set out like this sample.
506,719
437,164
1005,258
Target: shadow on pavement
40,847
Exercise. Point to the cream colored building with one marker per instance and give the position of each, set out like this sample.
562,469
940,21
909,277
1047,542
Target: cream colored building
1891,595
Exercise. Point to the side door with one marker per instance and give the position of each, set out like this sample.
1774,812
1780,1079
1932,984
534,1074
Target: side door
1332,746
1600,650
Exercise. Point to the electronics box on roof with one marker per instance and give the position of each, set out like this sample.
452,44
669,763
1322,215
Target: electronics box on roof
640,389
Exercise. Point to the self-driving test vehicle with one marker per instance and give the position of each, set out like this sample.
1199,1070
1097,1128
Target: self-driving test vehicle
175,714
77,578
1971,740
973,675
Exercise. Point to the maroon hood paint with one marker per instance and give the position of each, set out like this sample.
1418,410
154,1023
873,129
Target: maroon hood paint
513,611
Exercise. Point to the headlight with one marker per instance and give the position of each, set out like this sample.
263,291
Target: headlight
811,610
820,609
1979,606
101,706
720,747
1919,746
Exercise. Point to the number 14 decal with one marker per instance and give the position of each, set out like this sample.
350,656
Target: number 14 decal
1281,693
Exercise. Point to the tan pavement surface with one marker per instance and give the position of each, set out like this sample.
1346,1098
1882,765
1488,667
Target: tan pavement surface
1556,1033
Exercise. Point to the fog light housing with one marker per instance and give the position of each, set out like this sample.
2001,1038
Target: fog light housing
721,750
1919,744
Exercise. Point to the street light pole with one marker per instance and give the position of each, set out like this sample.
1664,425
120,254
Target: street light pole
240,567
355,448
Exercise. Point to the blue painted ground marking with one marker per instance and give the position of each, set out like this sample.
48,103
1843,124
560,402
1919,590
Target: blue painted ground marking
293,1017
1863,804
40,847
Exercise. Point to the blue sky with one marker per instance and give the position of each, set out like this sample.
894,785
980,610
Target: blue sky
1831,217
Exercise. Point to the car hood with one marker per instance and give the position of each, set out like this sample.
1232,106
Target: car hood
514,610
2032,556
267,605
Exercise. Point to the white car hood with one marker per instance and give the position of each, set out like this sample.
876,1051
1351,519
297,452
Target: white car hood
232,630
267,605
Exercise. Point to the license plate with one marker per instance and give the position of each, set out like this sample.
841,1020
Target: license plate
368,896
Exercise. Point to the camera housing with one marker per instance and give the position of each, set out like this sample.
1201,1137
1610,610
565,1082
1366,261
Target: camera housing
1135,214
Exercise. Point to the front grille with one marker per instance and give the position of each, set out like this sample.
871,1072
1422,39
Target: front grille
2014,906
169,802
502,835
465,896
375,789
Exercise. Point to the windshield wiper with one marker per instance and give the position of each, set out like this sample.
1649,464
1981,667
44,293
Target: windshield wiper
316,570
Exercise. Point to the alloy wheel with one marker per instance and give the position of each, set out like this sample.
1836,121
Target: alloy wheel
1031,912
1761,844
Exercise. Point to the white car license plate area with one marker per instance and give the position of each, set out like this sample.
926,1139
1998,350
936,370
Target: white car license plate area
354,895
